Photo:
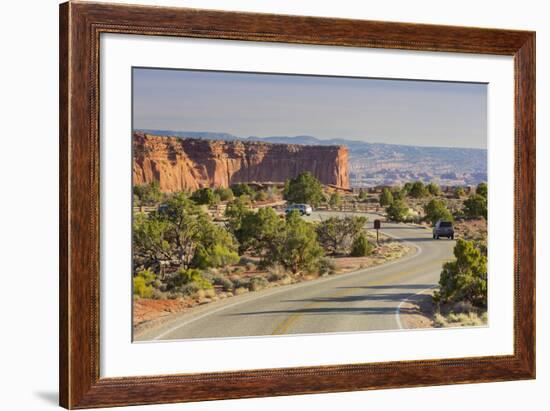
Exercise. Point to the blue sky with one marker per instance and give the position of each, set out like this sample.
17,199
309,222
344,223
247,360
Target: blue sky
244,104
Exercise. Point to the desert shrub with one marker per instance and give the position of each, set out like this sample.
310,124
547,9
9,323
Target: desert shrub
258,232
141,289
241,290
227,284
150,237
173,295
238,269
476,206
398,194
465,278
142,283
235,212
243,282
437,210
295,247
189,289
459,215
205,196
148,275
336,234
217,248
406,188
462,307
397,211
260,195
439,321
272,277
257,283
244,260
305,188
459,192
481,245
158,294
433,189
191,275
361,246
148,194
177,233
210,275
418,190
335,200
206,293
412,218
481,189
386,197
470,319
276,272
241,189
215,256
326,266
225,194
272,193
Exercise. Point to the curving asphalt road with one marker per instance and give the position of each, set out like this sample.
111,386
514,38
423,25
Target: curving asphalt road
365,300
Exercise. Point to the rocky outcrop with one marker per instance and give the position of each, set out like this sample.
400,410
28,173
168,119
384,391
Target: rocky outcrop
189,163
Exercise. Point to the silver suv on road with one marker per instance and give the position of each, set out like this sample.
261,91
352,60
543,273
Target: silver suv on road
443,229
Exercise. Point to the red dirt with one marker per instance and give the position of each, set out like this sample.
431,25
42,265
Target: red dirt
147,310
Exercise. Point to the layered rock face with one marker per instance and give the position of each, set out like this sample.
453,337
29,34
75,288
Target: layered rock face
188,164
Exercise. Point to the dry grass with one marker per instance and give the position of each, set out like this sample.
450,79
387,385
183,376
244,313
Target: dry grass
470,319
475,230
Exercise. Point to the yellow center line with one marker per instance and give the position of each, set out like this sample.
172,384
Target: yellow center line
287,323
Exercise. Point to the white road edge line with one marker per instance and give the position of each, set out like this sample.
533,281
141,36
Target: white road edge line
398,309
306,283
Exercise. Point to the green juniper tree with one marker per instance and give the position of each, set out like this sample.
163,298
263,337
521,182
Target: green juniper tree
305,188
476,206
386,197
297,248
335,200
433,189
397,211
336,235
418,190
437,210
465,278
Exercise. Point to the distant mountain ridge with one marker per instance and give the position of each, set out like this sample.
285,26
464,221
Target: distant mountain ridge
373,164
300,139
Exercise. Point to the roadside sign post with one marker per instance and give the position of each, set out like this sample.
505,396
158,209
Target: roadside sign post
377,227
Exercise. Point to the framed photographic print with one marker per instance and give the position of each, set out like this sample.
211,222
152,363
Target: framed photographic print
258,205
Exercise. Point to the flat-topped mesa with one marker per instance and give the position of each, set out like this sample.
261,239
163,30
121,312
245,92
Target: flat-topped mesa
180,164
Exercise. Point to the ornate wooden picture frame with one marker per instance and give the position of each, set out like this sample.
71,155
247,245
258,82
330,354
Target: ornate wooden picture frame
81,25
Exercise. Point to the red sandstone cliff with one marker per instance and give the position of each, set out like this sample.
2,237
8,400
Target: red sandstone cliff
189,163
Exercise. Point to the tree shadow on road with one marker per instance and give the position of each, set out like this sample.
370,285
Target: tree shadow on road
390,297
331,311
417,239
392,286
311,309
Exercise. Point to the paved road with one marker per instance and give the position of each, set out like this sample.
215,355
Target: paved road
365,300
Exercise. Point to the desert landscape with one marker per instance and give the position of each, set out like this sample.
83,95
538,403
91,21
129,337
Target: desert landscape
211,223
275,204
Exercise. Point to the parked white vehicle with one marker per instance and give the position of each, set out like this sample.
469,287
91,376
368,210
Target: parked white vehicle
303,209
